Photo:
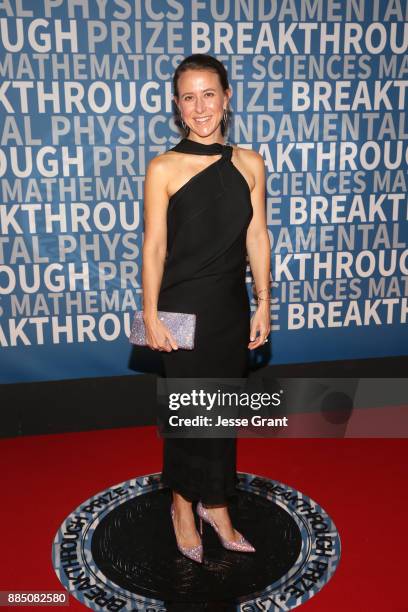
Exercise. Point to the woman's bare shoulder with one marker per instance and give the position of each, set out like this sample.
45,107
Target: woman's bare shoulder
163,159
161,167
248,156
250,163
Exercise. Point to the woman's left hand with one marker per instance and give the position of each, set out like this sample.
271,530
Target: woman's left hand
260,323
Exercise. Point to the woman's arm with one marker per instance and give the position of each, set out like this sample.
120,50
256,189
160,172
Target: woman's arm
154,253
259,252
155,234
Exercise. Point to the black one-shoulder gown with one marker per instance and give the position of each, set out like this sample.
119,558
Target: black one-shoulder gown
204,273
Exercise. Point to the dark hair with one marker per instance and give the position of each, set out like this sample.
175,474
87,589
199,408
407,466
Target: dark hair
201,61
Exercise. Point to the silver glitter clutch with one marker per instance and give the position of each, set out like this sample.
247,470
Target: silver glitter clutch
181,325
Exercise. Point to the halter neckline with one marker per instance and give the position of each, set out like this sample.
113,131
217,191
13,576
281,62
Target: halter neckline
186,145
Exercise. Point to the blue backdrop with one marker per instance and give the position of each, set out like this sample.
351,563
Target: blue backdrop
86,102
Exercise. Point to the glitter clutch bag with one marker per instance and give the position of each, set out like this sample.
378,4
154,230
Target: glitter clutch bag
180,324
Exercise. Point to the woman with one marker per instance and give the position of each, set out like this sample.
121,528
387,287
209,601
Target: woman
204,212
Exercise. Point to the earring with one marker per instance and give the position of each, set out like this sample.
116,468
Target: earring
225,116
183,124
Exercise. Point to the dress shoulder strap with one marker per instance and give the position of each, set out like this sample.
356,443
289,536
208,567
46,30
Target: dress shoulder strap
186,145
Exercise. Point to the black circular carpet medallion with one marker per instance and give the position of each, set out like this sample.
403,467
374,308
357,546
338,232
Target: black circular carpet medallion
117,551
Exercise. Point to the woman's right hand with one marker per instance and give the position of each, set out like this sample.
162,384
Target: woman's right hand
158,335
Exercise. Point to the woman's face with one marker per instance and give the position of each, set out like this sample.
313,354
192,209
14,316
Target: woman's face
201,101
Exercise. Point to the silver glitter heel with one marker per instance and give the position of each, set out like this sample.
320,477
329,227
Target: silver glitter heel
193,552
241,545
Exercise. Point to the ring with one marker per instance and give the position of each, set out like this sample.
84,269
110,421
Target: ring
265,341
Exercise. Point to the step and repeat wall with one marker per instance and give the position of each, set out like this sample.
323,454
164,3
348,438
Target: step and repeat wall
319,89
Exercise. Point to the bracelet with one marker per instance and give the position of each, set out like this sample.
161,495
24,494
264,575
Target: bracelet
260,291
256,294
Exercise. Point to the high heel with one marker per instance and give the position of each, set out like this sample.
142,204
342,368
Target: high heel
242,545
193,552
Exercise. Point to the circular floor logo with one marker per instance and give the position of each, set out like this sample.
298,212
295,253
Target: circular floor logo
117,551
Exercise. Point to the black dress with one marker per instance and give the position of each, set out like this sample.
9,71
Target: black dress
204,273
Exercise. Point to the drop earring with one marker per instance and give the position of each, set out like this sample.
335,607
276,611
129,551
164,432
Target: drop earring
184,125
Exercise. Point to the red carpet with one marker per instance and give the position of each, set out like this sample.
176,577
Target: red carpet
361,483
